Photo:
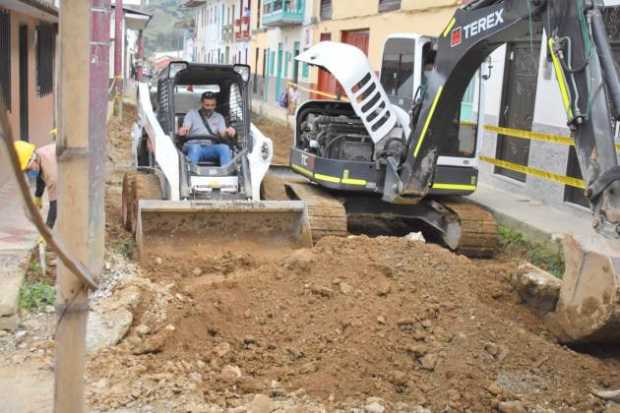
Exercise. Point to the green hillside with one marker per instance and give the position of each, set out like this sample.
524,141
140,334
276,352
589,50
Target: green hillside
161,34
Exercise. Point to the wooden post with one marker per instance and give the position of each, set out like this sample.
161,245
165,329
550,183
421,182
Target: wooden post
80,220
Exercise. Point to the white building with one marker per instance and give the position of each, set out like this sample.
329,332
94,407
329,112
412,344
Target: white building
134,23
221,30
530,101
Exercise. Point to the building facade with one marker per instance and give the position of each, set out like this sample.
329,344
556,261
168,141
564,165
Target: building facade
28,32
221,30
521,93
281,29
133,26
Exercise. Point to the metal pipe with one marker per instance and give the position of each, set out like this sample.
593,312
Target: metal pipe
610,73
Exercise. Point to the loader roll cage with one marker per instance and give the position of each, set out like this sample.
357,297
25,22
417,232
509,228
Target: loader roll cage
176,96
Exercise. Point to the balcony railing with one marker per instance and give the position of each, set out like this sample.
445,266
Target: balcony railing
283,12
242,28
190,3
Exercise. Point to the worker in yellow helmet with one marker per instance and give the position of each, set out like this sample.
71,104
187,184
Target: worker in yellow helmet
42,162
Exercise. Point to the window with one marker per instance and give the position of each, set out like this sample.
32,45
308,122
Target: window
5,58
46,46
388,5
397,71
326,9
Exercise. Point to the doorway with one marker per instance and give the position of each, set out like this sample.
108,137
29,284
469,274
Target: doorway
327,83
517,110
23,82
279,70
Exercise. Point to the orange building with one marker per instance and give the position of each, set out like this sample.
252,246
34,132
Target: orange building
27,59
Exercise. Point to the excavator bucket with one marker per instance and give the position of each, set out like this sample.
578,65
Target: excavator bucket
220,226
588,309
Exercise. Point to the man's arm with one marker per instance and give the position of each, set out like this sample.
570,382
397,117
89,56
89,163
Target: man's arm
187,124
223,131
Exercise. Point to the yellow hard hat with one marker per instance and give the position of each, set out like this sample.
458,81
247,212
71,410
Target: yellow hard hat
24,153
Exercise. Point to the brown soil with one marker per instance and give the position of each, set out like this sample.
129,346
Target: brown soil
279,133
351,318
361,317
118,163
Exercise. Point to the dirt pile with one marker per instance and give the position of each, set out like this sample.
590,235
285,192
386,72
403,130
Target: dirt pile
408,323
279,133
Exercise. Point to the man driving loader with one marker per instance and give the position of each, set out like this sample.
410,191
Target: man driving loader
206,121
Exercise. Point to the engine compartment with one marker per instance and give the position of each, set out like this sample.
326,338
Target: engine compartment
333,131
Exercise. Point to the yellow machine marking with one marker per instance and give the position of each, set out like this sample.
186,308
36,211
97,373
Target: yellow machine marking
428,122
327,178
455,187
302,170
549,176
559,73
350,181
449,27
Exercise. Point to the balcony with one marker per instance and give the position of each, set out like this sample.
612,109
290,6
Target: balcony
190,3
283,12
242,29
227,33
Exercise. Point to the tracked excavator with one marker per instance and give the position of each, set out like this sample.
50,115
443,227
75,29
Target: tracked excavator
374,159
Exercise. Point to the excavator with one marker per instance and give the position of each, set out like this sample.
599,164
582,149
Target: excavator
371,159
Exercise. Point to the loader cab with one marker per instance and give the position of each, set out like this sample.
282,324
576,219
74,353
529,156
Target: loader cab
407,62
179,91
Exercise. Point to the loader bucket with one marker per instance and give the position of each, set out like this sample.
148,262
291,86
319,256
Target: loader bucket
588,309
218,226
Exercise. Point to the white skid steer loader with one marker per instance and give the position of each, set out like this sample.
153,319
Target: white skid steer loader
169,201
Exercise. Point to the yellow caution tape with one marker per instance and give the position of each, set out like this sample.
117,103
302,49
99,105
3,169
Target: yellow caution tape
317,92
549,176
534,136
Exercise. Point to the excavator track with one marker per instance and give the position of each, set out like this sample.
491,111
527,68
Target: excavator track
478,229
326,213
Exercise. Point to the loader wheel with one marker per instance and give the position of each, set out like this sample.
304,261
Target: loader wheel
145,186
127,199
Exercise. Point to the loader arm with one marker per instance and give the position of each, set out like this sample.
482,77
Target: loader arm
585,71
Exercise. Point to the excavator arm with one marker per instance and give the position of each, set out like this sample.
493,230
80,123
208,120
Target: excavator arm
585,71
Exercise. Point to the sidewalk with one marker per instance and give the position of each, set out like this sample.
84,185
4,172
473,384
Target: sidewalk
536,220
17,238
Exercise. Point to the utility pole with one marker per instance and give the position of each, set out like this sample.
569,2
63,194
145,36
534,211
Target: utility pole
81,155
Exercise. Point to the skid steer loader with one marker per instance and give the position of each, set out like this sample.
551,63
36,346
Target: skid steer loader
169,202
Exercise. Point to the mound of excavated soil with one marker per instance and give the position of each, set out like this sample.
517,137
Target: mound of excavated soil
350,319
279,133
